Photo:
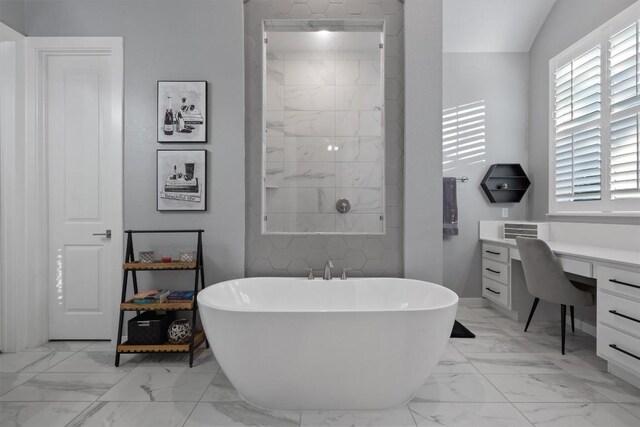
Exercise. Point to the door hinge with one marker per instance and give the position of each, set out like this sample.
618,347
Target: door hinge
381,45
266,40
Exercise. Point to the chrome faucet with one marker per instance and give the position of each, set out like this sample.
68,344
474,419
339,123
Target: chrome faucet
327,270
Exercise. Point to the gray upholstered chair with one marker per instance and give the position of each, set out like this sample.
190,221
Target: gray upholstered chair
546,280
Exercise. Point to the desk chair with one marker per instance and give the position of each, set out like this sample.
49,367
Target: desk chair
546,280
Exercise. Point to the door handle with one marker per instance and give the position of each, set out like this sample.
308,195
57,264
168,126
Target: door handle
107,234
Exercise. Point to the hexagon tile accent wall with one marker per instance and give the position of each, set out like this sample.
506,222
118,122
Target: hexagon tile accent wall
282,255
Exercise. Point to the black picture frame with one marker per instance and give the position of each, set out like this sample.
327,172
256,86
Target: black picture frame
193,95
173,165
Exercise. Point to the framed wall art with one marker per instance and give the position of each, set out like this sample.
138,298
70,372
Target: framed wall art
182,180
182,111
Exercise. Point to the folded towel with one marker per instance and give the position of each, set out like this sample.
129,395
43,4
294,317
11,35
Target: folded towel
449,207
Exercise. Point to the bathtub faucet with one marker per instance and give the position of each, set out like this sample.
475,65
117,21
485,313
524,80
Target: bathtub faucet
327,270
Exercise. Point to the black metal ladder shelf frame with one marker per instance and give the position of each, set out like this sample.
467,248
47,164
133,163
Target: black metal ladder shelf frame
199,276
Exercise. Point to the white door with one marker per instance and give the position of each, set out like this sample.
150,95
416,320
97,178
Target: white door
84,153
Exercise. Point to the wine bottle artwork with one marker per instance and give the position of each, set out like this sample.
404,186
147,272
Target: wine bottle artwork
182,111
168,118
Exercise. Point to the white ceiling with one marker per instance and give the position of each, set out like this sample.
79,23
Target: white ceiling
493,25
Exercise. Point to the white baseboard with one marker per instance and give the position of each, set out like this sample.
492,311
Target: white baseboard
582,326
624,374
473,302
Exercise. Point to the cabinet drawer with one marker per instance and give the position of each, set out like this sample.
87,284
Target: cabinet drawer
624,282
496,292
619,312
581,268
496,253
619,348
495,271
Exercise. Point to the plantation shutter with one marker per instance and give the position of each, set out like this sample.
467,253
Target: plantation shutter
577,128
624,98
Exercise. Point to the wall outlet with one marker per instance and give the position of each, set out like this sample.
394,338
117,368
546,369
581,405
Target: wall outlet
505,212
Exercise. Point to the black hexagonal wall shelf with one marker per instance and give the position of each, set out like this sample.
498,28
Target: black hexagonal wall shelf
505,183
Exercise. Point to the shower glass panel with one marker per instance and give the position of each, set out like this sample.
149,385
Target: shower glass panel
323,123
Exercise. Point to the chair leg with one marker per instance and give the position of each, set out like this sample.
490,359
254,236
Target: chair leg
563,322
573,322
533,308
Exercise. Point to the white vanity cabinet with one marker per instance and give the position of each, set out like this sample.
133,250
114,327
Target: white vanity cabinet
496,283
618,327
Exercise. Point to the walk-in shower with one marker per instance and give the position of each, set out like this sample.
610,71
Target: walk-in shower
323,127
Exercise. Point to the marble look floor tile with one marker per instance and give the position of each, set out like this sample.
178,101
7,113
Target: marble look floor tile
95,361
484,328
451,367
453,362
203,361
393,417
577,414
577,364
458,388
39,414
545,388
486,312
465,313
220,390
467,414
574,344
513,363
230,414
31,361
160,387
139,414
11,380
58,387
610,386
101,346
634,408
497,345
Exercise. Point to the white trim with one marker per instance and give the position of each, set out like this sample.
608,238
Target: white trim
12,247
38,49
581,325
605,206
624,374
617,214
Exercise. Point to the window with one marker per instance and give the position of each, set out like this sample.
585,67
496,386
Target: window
595,97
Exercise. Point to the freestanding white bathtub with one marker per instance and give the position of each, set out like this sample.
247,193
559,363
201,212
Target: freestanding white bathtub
288,343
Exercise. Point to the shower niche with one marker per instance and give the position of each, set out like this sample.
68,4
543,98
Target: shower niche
323,127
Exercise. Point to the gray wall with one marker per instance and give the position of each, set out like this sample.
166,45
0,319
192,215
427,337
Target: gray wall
284,255
568,22
501,81
423,141
12,13
158,45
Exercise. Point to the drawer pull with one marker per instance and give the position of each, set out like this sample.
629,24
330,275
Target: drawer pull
623,315
493,252
615,347
624,283
493,271
492,291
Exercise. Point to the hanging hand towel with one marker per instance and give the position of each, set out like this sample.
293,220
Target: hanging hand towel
449,207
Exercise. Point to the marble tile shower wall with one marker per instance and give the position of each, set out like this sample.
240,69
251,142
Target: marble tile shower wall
317,103
285,255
